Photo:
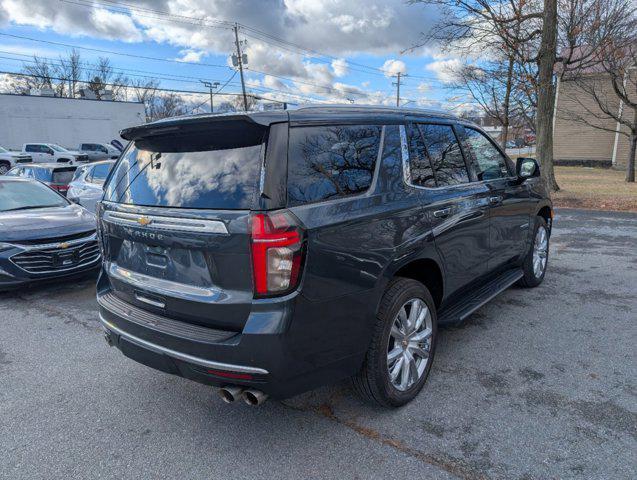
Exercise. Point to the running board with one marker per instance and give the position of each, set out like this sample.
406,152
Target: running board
473,300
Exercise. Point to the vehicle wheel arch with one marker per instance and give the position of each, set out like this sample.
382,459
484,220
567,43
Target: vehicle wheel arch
426,270
5,163
63,160
546,212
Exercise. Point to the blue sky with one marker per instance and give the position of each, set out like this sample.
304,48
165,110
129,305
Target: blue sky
299,50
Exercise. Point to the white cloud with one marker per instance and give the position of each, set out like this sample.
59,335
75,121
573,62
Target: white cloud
70,19
340,68
445,69
392,67
424,87
190,55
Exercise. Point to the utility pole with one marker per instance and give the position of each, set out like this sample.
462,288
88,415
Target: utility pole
240,63
210,86
397,83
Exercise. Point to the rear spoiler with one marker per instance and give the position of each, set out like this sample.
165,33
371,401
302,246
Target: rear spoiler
246,122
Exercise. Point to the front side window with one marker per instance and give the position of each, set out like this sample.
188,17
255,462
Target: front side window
420,169
489,162
446,157
331,161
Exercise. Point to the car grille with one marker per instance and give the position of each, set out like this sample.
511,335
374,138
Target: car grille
59,258
23,159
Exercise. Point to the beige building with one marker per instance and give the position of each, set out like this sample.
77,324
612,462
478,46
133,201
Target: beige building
575,142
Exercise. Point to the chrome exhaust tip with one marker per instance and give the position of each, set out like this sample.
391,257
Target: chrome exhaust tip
254,397
230,394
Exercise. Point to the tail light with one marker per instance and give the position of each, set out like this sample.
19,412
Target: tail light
277,252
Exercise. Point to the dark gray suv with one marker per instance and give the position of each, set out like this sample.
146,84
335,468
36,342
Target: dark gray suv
270,253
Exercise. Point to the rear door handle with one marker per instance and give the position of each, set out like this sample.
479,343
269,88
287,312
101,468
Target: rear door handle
444,213
495,200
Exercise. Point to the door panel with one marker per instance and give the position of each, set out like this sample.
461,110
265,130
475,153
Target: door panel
457,210
508,200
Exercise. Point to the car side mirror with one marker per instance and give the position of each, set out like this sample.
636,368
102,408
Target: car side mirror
526,167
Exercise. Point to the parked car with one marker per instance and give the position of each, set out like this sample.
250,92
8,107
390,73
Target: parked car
50,152
54,175
9,159
270,253
43,235
86,188
99,151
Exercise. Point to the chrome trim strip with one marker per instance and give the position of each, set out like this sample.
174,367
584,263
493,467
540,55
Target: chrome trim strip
165,223
56,245
179,355
161,286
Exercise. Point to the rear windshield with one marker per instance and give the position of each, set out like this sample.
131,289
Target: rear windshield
63,175
210,168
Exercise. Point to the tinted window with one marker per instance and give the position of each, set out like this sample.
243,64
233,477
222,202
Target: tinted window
331,161
420,169
209,169
63,175
445,154
100,172
489,162
32,148
22,195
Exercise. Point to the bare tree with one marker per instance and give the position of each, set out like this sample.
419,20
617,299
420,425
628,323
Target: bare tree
145,91
104,77
167,105
70,69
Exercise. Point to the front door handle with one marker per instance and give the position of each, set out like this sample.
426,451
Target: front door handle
444,213
495,200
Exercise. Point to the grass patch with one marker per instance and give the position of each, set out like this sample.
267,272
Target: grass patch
594,188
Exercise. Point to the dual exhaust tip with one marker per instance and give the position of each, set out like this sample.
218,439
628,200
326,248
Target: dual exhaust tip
249,396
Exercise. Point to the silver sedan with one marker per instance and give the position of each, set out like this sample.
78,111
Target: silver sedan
86,187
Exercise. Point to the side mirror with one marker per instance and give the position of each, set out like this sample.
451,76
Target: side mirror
526,167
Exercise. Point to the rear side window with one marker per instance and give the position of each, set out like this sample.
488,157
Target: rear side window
446,157
213,167
331,161
100,172
420,169
32,148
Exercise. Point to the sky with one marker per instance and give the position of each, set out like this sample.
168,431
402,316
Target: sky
298,50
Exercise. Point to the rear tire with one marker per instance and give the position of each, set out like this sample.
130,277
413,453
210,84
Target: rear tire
4,167
536,260
399,339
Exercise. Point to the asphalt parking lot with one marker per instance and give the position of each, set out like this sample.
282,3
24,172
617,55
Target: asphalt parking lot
537,384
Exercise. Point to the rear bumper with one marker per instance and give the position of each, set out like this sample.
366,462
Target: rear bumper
270,354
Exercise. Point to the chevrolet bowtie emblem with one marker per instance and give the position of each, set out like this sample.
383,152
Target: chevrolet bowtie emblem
143,221
63,245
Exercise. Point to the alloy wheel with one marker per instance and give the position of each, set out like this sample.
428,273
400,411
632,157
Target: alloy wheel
409,344
540,251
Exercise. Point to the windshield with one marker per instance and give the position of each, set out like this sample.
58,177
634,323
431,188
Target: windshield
3,150
63,175
215,168
18,195
100,172
57,148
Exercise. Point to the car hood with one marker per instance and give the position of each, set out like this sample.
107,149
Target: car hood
45,223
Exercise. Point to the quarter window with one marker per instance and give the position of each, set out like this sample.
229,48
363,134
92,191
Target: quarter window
446,157
331,161
489,162
420,169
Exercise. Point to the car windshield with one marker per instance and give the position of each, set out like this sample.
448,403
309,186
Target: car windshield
19,195
3,150
57,148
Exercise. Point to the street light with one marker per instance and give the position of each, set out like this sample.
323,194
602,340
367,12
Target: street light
211,86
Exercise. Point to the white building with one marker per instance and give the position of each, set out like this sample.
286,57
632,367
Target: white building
65,121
